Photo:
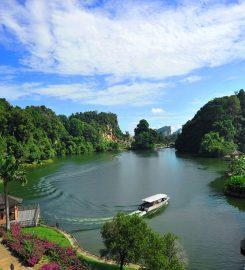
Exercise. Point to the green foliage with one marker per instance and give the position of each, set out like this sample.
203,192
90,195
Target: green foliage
162,253
34,134
10,170
124,238
223,116
129,239
213,145
166,140
236,184
144,137
237,166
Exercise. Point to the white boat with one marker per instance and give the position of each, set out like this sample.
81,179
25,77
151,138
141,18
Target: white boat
152,204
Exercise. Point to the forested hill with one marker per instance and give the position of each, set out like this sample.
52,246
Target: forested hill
37,133
217,129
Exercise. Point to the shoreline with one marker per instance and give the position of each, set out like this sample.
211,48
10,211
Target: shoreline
234,194
83,252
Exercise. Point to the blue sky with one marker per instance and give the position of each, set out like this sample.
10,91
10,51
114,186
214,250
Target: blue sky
151,59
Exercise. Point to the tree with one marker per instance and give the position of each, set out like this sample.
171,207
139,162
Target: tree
143,126
225,116
154,256
36,133
213,145
237,166
226,129
162,253
124,238
144,137
127,238
10,170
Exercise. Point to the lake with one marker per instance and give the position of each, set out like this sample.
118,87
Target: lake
82,192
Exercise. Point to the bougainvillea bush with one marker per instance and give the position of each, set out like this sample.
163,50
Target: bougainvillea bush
31,249
66,257
49,266
28,247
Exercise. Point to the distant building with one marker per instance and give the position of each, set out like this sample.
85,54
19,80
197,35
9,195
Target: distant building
164,131
26,216
236,153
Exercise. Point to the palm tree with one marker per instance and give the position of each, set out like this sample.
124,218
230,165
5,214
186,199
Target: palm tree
10,170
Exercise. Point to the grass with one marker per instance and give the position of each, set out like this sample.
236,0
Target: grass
48,233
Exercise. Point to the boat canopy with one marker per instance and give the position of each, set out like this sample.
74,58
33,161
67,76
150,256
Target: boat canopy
154,198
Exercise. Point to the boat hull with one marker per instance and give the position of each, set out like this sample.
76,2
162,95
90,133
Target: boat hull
152,209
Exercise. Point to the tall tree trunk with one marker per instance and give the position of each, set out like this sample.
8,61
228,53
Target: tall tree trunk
121,265
122,262
6,206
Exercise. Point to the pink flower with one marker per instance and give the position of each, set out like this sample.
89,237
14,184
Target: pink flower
47,266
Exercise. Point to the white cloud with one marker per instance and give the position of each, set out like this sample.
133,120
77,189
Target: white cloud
136,94
196,102
125,38
232,77
6,70
17,91
156,110
191,79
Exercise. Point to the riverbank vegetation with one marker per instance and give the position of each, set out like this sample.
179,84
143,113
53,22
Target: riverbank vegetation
148,138
129,239
235,183
235,186
144,137
47,248
31,249
36,133
217,129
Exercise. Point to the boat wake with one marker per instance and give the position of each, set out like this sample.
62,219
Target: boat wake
87,223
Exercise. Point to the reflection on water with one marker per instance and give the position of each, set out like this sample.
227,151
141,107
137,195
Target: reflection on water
218,187
156,213
146,153
82,192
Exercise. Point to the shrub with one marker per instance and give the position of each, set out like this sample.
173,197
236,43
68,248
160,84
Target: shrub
65,256
31,249
237,166
236,184
26,246
48,266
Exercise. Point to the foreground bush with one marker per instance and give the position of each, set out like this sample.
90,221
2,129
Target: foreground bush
48,266
237,166
236,184
31,249
26,246
127,238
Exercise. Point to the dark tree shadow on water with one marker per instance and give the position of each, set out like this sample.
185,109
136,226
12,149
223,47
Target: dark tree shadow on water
218,187
146,153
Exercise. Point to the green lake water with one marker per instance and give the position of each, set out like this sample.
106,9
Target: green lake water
82,192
